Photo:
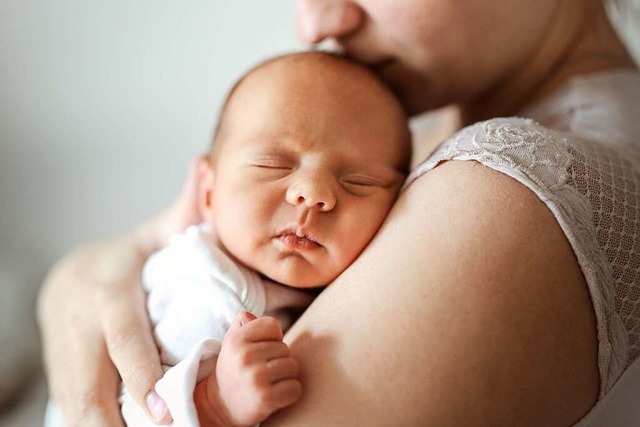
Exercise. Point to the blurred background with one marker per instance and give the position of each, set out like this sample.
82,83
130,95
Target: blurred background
102,105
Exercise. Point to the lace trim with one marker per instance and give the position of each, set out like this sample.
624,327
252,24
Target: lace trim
541,160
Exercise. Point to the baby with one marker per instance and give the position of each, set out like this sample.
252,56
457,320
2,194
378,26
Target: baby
308,158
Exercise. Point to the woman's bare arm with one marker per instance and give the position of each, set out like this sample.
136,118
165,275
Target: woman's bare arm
468,308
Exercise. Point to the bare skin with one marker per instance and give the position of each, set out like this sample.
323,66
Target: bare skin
425,322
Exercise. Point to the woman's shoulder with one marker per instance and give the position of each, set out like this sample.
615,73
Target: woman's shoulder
592,188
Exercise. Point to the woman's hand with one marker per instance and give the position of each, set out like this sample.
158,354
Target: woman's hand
94,323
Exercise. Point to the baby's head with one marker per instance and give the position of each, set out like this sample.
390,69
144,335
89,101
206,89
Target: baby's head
308,158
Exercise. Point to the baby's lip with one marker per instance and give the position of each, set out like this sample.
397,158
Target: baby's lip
298,237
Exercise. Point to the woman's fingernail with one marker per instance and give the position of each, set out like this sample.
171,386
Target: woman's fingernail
156,406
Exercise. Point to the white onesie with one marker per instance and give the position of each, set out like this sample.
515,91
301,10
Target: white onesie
195,290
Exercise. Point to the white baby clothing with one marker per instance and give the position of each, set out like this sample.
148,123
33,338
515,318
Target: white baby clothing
578,150
195,290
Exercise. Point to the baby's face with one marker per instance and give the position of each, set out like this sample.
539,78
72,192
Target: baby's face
310,164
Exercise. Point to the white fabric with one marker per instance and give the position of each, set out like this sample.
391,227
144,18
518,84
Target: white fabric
619,407
195,290
578,150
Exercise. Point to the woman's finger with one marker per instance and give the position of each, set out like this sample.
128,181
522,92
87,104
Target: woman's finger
132,348
97,388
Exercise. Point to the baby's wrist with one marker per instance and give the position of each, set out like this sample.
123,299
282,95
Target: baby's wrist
212,412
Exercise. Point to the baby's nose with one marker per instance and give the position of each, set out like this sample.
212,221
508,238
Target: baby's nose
312,194
319,19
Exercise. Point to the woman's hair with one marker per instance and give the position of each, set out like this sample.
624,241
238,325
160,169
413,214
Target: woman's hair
625,16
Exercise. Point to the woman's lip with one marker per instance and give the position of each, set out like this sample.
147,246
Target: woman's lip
290,241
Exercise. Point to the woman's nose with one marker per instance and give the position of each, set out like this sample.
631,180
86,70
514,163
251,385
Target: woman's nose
319,19
313,194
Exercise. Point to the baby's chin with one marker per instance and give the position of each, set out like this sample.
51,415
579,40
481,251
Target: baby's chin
298,279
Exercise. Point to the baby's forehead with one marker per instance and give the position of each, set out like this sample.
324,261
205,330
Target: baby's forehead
304,92
307,69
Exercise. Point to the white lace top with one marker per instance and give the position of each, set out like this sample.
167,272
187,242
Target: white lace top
578,150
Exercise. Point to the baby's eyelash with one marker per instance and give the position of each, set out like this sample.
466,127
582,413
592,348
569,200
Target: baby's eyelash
272,165
363,181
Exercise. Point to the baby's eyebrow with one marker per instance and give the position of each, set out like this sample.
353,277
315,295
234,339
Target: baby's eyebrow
383,172
271,150
387,169
257,152
275,141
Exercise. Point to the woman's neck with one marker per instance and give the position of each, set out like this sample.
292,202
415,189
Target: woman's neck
580,40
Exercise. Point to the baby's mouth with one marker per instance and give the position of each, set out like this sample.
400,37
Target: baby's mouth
297,239
292,241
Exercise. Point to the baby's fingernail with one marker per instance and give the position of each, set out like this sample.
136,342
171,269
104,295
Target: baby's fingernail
156,406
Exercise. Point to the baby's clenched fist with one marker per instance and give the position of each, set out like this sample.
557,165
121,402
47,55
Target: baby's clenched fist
255,374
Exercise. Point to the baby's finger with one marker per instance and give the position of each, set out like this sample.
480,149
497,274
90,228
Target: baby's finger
239,321
264,351
282,369
286,392
131,347
262,329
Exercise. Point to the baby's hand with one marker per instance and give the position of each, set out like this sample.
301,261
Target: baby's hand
255,374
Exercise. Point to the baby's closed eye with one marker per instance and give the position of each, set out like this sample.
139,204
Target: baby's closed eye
362,181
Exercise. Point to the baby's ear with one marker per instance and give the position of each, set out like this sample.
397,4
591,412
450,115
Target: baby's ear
205,187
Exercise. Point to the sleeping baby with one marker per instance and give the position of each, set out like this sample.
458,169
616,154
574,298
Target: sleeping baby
308,157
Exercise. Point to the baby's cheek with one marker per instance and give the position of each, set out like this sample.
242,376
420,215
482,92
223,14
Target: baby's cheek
234,235
358,232
347,251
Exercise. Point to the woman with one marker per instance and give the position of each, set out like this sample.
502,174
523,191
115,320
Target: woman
495,293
